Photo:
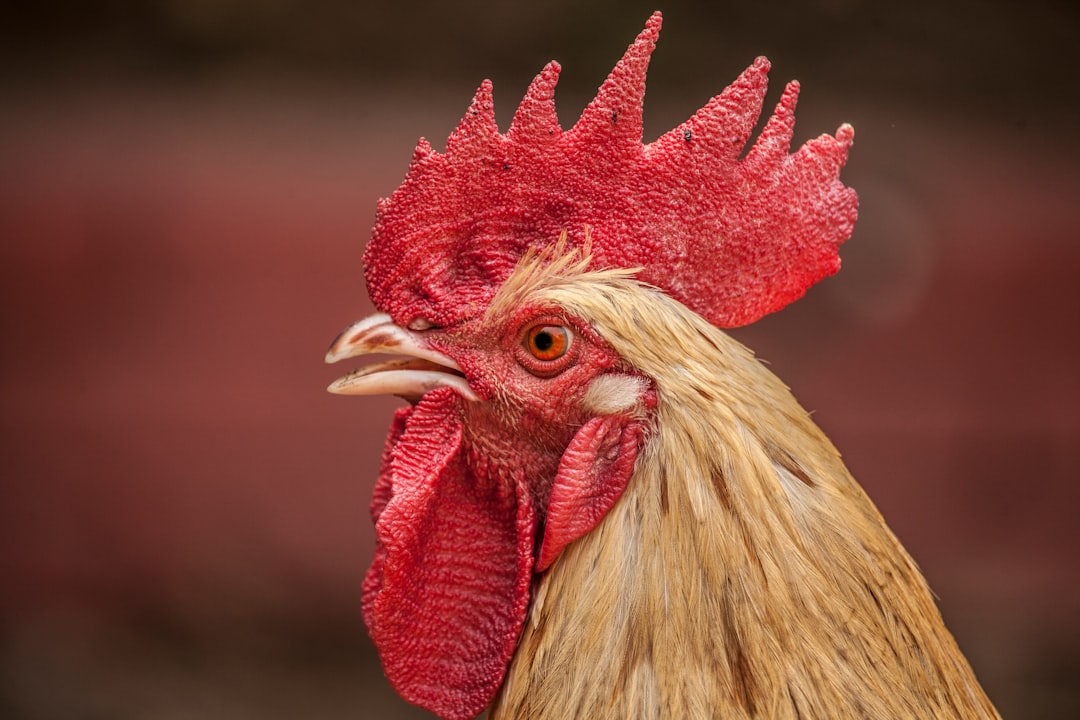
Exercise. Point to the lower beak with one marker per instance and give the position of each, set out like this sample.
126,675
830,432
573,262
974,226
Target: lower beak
423,369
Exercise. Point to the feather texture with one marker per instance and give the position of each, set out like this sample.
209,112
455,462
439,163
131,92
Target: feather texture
743,573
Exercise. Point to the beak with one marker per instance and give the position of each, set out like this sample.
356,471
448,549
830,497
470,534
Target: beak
424,369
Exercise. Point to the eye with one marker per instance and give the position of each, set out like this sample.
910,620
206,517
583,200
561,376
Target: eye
548,342
546,347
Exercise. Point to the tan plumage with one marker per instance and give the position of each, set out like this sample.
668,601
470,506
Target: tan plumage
743,573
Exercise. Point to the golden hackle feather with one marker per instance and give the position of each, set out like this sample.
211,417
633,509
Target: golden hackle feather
743,573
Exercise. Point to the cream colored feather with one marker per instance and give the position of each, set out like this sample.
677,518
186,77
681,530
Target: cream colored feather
743,573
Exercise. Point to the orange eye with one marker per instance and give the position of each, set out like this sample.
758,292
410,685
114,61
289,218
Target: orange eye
548,342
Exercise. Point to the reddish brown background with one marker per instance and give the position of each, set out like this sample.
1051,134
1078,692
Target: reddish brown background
185,190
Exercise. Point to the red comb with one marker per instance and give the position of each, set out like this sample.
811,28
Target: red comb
732,238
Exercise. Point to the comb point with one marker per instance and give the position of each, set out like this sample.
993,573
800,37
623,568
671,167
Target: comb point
615,115
536,117
774,143
477,128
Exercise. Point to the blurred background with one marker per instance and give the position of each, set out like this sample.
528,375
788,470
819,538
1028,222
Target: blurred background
186,188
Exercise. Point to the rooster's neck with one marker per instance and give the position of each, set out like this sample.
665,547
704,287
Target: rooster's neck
742,574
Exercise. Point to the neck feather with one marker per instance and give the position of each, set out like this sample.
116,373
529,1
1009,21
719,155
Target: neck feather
743,573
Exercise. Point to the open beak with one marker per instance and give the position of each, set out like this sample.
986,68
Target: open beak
422,370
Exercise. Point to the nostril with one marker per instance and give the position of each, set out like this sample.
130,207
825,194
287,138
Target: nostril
420,324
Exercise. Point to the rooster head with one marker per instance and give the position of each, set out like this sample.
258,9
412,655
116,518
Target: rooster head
523,425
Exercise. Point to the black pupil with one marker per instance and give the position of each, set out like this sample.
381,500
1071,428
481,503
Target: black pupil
543,341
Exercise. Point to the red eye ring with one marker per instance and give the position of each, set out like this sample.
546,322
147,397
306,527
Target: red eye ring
547,342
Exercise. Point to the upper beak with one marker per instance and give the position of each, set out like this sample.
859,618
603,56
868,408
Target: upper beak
425,369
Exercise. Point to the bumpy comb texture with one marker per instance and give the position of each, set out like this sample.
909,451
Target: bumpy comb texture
732,238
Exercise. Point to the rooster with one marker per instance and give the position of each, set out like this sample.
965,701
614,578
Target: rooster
597,504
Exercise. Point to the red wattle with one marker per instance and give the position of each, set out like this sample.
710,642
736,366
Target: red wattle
447,595
379,498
